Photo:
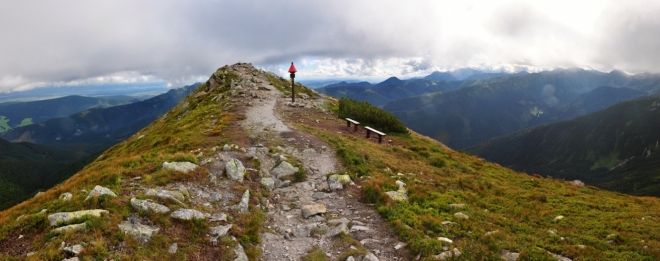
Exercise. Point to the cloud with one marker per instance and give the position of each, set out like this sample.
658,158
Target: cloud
73,41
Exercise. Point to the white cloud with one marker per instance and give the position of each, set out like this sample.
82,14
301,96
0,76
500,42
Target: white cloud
74,41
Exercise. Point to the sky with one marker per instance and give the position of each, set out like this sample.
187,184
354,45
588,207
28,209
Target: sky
46,43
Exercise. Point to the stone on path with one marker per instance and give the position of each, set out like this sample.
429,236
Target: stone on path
100,191
284,169
314,209
235,170
184,166
269,183
65,217
239,253
243,205
148,206
187,214
142,233
342,228
337,182
370,257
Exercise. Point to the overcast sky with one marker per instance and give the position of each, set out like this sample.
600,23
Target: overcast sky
44,43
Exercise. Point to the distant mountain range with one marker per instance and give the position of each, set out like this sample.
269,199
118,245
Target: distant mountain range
616,148
16,114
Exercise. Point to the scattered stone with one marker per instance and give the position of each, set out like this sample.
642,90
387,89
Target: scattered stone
243,205
239,253
446,240
284,169
218,217
74,227
509,256
148,206
397,196
342,228
187,214
173,248
235,170
73,250
461,215
356,228
319,195
31,254
184,166
577,182
66,196
75,258
370,257
402,187
174,196
285,184
269,183
557,218
38,194
337,182
334,222
314,209
350,258
142,233
66,217
458,206
220,231
226,147
100,191
490,233
560,257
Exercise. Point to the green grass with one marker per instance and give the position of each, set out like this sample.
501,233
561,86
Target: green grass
4,124
25,122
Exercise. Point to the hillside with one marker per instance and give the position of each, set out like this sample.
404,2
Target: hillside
26,168
238,142
614,148
96,129
17,114
498,106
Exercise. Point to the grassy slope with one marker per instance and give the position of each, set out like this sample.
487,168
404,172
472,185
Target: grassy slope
520,207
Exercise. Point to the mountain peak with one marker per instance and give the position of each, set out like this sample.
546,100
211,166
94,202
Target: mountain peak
440,76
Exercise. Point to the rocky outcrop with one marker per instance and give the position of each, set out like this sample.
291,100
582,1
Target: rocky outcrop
148,206
74,227
235,170
66,196
284,169
166,195
184,167
142,233
243,205
100,191
187,214
66,217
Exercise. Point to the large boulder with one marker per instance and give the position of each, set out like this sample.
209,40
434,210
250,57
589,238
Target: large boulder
235,170
284,169
142,233
148,206
66,217
100,191
184,167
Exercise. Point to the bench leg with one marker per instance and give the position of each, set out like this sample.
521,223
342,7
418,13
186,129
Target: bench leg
355,127
368,133
380,138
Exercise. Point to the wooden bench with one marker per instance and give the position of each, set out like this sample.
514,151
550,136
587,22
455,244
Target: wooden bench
380,134
355,124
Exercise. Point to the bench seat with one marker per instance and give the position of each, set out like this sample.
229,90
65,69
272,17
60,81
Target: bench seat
380,134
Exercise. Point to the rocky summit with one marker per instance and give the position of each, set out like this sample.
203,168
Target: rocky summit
238,171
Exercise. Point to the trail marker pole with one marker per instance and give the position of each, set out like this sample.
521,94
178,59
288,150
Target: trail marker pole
293,71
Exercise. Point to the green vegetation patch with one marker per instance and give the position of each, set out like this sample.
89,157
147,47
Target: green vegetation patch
369,115
25,122
4,124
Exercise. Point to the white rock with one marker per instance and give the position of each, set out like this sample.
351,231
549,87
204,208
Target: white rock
235,170
370,257
173,248
148,206
461,215
220,231
314,209
142,233
73,250
284,169
243,206
444,239
187,214
100,191
66,196
184,166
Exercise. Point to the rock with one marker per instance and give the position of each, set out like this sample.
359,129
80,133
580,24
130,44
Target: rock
402,187
285,184
446,223
356,228
148,206
66,196
557,218
187,214
323,187
235,170
342,228
173,248
446,240
284,169
397,196
218,217
314,209
100,191
490,233
219,231
239,253
509,256
456,252
337,182
243,205
174,196
269,183
304,230
338,221
458,206
226,147
461,215
73,250
370,257
577,182
74,227
75,258
142,233
319,195
30,254
184,166
399,245
350,258
66,217
560,257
